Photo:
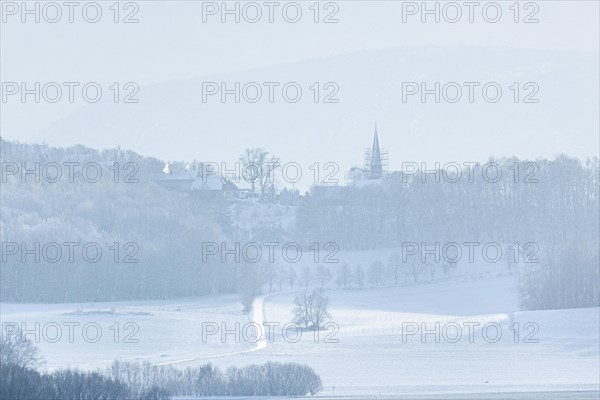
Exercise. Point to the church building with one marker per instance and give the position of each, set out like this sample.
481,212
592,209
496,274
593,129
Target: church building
373,170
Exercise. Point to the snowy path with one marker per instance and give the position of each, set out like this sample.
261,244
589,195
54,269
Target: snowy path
257,318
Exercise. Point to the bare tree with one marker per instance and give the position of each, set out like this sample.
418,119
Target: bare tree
395,267
306,277
281,276
16,349
432,269
344,276
292,276
359,276
449,268
310,310
376,273
323,275
249,285
415,267
268,274
259,167
511,257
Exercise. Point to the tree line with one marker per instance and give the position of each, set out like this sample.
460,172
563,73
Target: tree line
561,204
20,378
162,230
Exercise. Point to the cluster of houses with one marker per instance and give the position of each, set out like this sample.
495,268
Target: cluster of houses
195,181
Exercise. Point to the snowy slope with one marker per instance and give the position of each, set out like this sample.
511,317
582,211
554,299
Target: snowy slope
371,355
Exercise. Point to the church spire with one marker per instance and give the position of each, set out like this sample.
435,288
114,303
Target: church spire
375,166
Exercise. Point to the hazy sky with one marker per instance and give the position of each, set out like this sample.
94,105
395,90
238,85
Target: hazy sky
171,41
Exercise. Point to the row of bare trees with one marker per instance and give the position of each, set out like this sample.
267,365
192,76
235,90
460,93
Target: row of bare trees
19,360
269,379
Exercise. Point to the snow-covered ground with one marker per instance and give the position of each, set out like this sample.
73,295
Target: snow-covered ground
566,354
158,331
554,350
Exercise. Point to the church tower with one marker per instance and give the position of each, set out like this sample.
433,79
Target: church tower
375,164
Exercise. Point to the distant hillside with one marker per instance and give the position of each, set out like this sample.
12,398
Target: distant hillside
171,121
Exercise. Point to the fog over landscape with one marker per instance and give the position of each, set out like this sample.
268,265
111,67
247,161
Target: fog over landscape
327,199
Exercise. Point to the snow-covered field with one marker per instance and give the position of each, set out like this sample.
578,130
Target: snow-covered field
554,350
566,354
158,331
